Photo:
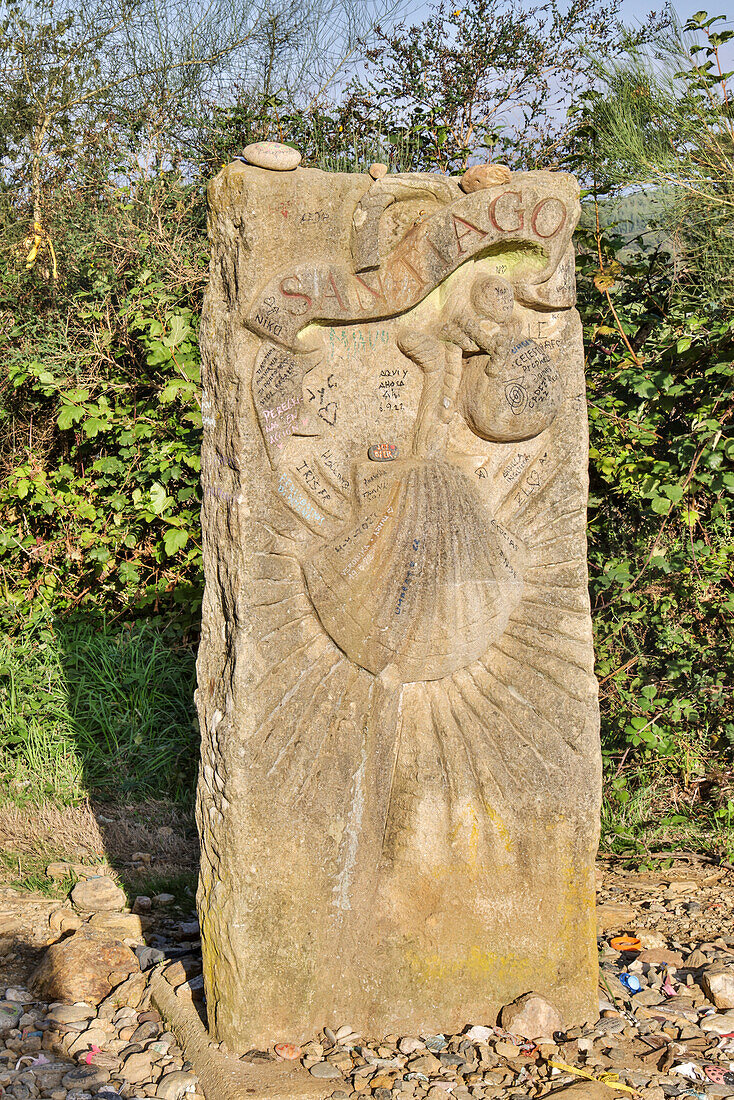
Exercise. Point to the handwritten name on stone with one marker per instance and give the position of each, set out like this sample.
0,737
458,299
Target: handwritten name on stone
383,452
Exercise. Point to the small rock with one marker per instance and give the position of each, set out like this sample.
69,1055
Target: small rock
82,967
659,956
10,1014
718,985
481,176
182,970
585,1090
188,929
650,939
377,171
697,959
176,1084
161,900
18,996
424,1063
64,920
143,1032
272,155
85,1077
142,904
123,926
531,1016
720,1023
289,1052
479,1033
98,895
149,956
324,1069
409,1045
138,1067
130,992
613,918
92,1037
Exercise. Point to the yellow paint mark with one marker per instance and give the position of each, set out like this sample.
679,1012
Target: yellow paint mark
502,831
477,964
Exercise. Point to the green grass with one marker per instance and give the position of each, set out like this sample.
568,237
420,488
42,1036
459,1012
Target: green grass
86,709
654,814
27,871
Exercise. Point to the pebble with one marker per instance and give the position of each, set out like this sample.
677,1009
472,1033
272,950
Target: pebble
85,1077
378,171
18,996
531,1016
642,1037
324,1069
163,899
718,985
173,1085
272,155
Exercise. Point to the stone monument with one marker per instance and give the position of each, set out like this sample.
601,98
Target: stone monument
400,771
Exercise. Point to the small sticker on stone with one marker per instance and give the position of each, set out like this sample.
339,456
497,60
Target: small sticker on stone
383,452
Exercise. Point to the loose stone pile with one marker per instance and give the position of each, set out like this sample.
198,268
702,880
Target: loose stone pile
666,1026
93,1033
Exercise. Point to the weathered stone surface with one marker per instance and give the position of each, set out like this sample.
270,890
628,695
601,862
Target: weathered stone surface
721,1023
659,955
531,1016
98,895
273,155
85,1077
84,967
612,918
123,926
718,985
399,783
130,992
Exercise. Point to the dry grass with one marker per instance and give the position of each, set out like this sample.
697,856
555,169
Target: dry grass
101,833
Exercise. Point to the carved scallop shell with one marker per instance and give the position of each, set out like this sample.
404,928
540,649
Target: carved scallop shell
422,578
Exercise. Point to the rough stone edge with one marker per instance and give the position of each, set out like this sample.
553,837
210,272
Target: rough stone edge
223,1076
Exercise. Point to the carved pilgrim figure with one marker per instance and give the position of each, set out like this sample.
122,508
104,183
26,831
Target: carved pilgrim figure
400,767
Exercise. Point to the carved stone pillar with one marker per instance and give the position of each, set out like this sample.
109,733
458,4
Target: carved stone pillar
400,774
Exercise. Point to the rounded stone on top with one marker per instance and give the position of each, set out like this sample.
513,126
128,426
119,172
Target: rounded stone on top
377,171
481,176
273,155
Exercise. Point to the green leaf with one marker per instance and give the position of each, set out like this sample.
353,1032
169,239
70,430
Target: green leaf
92,426
69,416
180,329
158,497
174,539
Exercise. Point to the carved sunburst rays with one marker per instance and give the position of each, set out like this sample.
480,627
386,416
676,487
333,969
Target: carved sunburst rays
472,744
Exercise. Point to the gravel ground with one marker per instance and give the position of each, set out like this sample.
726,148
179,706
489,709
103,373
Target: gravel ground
666,1000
